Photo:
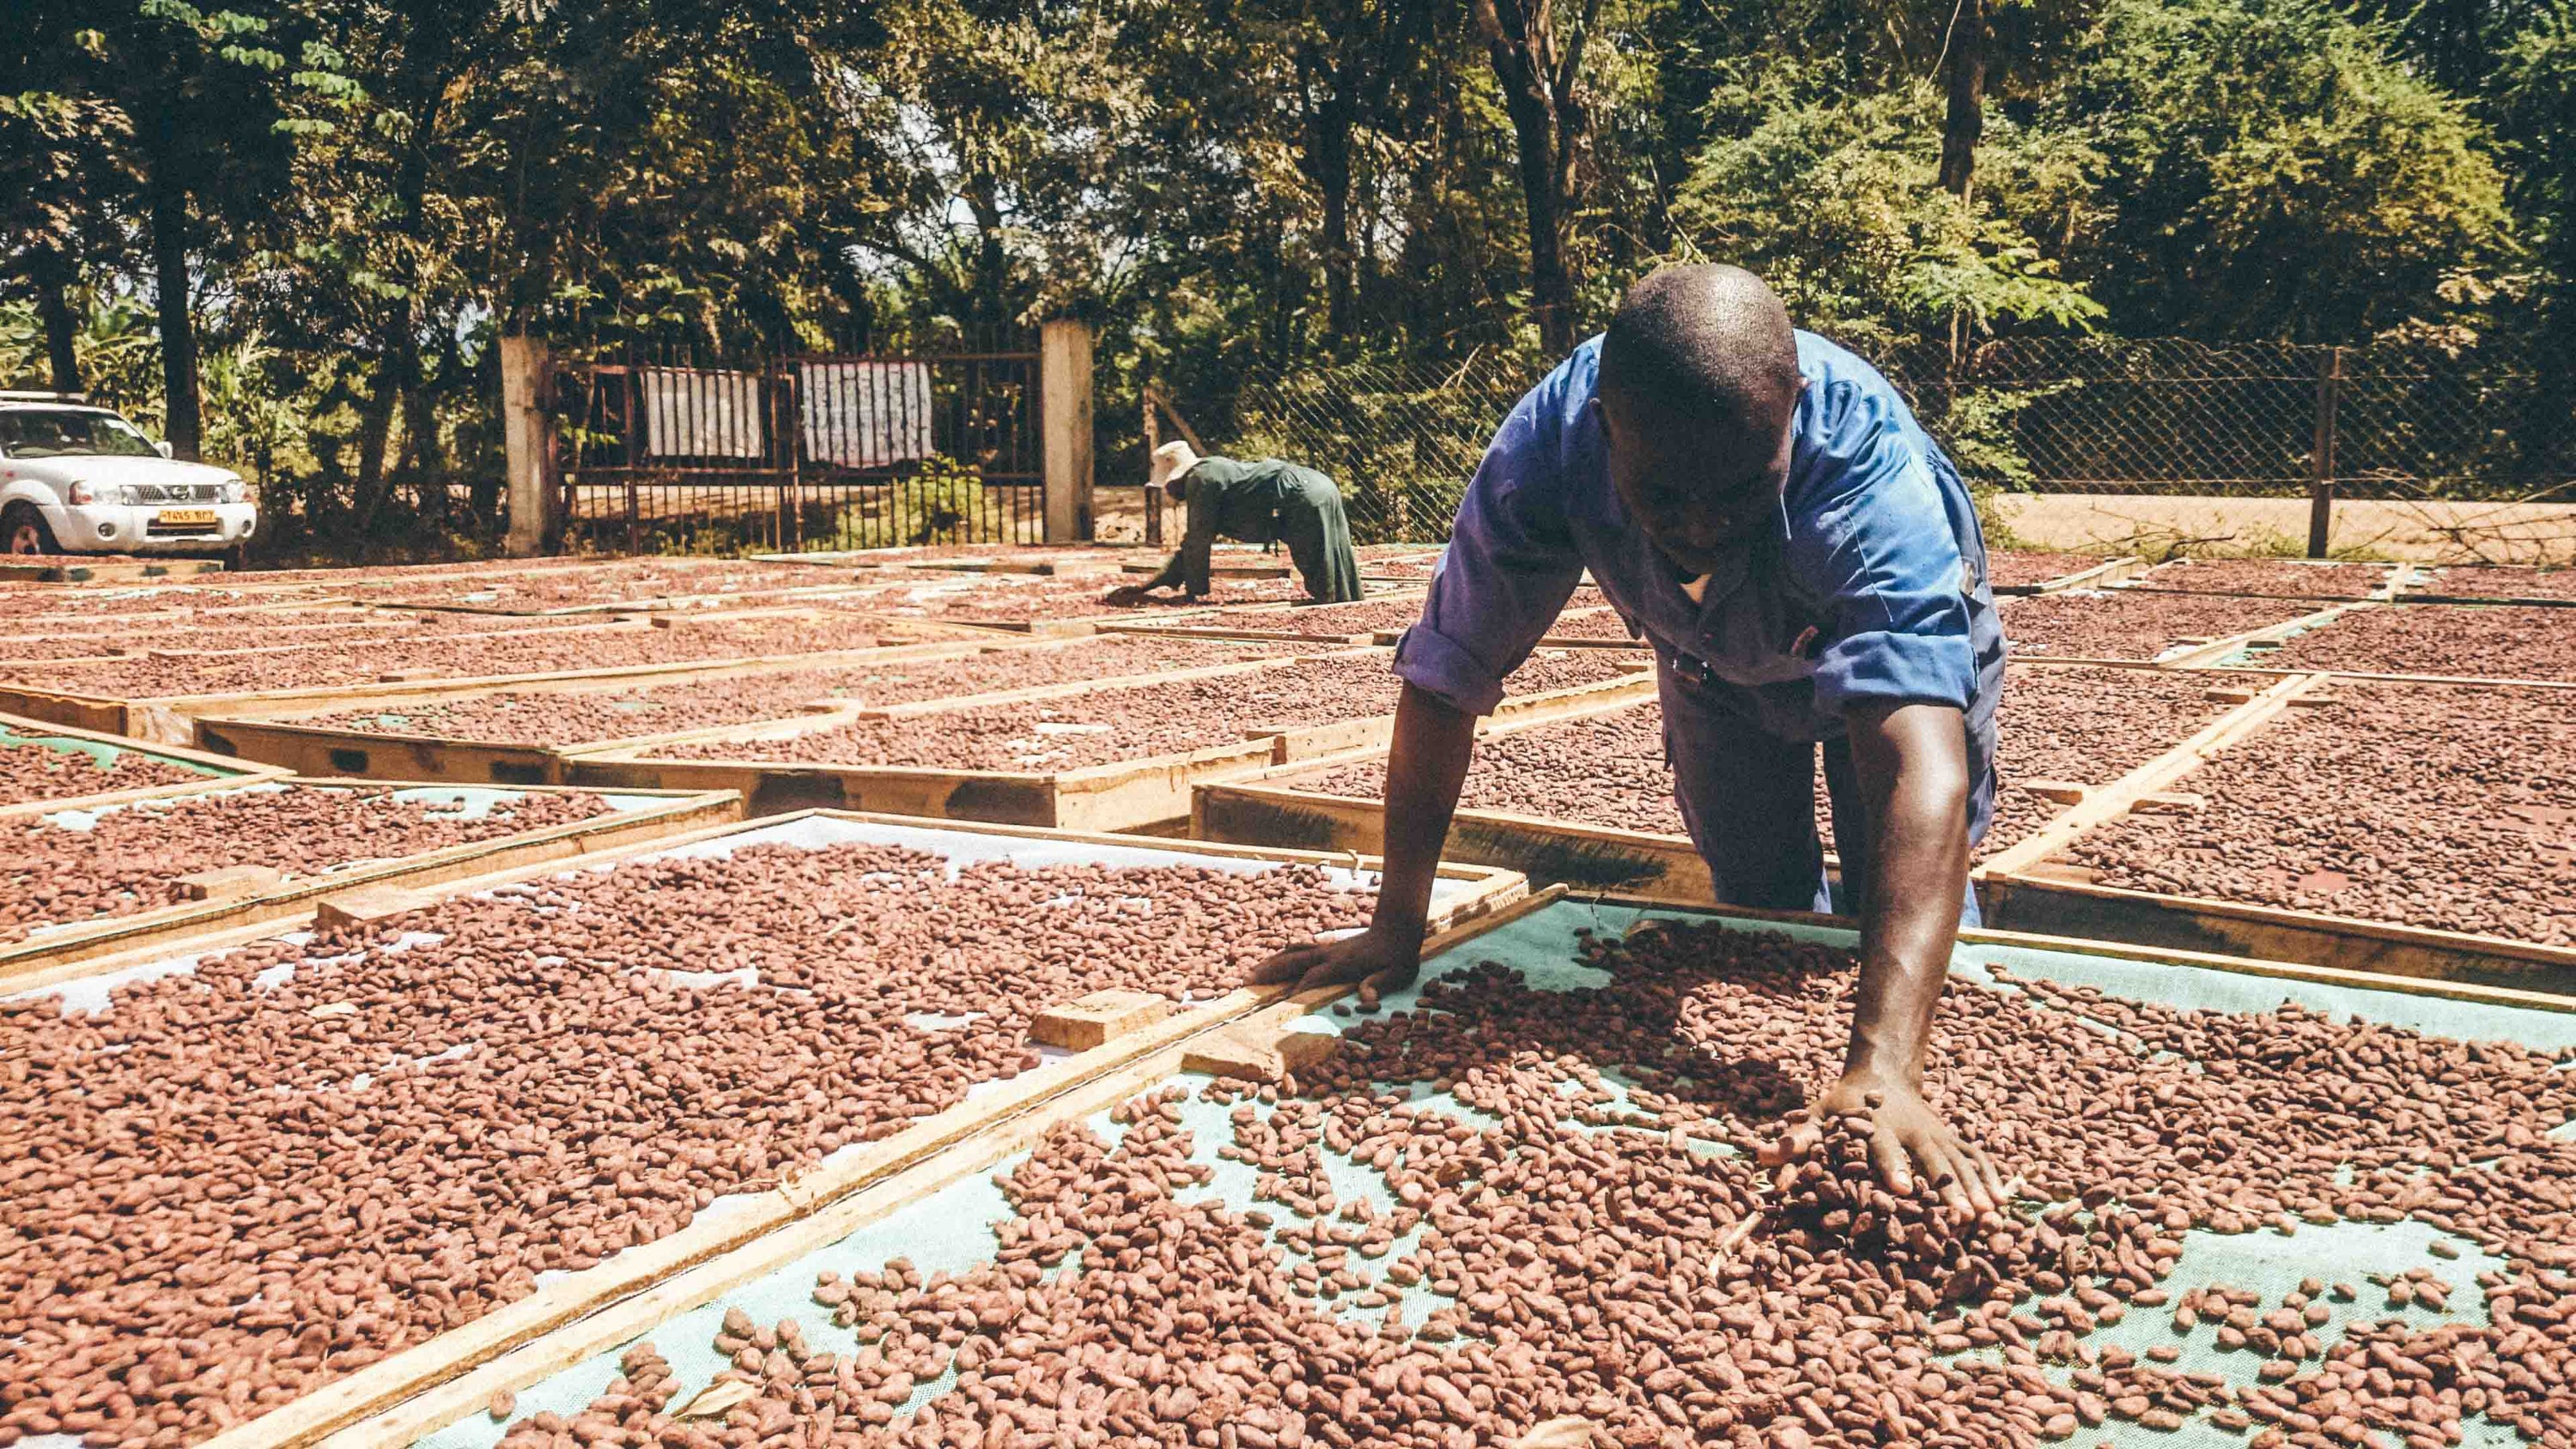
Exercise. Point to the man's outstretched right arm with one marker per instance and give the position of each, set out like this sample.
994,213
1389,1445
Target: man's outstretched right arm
1509,568
1434,740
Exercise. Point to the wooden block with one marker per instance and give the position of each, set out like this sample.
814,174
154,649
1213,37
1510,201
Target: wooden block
2314,701
2064,792
406,676
2228,694
230,882
1103,1016
2170,802
1258,1054
366,906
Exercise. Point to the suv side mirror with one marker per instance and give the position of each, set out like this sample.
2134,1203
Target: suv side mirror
162,447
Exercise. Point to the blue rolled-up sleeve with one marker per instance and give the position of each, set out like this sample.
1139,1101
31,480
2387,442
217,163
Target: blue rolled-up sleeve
1510,566
1892,564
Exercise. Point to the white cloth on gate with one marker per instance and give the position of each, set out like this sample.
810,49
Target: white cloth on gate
865,414
695,413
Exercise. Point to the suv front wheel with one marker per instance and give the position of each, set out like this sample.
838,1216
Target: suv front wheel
26,530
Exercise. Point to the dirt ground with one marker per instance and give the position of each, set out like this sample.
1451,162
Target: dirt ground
2425,532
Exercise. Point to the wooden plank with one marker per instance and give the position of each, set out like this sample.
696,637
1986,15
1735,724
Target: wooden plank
2113,800
171,719
2370,949
2456,680
310,751
75,711
71,951
710,1256
2475,992
2107,572
105,569
1659,867
1246,634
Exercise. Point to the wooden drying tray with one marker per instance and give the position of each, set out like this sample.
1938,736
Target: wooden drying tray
2213,653
2408,593
139,638
2392,583
783,597
1272,621
452,1381
279,736
1120,795
2452,680
1274,808
217,770
1553,641
2020,887
1207,621
172,718
390,620
1003,558
816,1205
57,954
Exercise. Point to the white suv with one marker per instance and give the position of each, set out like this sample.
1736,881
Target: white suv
80,479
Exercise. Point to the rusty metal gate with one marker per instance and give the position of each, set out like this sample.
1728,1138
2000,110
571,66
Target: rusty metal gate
829,451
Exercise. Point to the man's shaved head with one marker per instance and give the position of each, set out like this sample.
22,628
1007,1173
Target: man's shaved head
1699,384
1705,342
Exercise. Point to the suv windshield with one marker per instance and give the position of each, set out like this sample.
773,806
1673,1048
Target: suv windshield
40,433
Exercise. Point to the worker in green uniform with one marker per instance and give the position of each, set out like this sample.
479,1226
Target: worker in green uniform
1265,502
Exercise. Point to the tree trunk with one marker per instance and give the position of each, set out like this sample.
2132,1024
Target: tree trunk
1327,163
425,80
1965,122
992,261
178,323
52,278
419,460
1548,121
375,423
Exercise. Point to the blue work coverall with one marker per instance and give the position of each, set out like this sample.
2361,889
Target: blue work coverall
1873,587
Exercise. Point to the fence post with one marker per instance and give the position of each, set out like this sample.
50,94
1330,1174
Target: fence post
1153,440
791,499
526,429
2321,454
1064,400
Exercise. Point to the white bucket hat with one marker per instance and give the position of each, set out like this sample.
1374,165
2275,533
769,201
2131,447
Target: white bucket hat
1171,461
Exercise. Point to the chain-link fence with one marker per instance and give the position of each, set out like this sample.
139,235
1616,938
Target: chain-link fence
1401,440
2416,421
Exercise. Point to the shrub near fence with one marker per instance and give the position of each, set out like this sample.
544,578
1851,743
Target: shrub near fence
2401,420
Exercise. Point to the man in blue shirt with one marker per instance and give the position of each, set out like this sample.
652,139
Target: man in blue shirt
1763,508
